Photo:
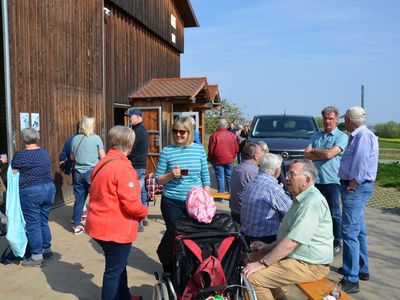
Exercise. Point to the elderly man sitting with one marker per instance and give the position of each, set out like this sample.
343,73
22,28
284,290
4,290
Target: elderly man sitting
304,246
264,202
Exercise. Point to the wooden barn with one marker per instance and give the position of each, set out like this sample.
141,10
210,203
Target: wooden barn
164,99
62,59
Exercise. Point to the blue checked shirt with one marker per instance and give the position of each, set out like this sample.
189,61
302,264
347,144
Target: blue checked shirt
264,203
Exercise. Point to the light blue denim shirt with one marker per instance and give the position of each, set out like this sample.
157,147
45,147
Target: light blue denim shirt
328,168
360,159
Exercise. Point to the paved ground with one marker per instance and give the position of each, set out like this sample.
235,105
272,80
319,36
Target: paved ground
387,199
76,272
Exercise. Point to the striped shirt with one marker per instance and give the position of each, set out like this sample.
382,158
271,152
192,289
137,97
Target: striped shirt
191,157
264,203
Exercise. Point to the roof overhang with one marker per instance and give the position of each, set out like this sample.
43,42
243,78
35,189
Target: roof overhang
194,90
186,10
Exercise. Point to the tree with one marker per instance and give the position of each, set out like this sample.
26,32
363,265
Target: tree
320,122
390,129
231,112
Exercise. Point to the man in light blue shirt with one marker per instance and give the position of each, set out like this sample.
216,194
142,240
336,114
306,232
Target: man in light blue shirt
357,174
326,151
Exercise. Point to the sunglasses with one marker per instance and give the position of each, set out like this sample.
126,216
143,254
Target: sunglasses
181,132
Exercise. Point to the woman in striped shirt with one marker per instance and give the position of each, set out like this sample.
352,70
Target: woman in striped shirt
181,166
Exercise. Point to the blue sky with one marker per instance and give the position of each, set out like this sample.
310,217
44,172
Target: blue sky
268,56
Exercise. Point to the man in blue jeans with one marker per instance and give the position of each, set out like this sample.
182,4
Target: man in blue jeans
138,155
357,174
222,150
326,151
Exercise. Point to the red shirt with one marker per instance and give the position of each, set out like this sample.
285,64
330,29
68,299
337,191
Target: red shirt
222,147
115,206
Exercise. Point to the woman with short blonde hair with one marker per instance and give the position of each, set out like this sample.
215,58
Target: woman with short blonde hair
86,149
183,124
87,125
181,166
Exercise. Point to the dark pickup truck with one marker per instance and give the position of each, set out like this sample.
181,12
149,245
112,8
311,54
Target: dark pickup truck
286,135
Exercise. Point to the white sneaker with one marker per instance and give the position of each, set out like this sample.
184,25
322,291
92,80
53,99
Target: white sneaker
79,229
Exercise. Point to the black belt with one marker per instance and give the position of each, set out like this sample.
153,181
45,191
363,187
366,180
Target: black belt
346,182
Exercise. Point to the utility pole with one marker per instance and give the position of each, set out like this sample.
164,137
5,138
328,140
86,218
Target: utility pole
362,96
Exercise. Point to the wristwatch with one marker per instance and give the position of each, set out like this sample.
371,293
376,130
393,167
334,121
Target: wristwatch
262,261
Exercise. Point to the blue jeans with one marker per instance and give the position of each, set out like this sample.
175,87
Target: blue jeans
143,194
36,202
332,195
172,211
354,233
115,282
223,173
81,191
239,157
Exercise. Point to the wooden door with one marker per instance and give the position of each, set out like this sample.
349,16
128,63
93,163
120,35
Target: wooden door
152,122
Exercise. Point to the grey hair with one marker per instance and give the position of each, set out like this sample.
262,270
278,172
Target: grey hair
249,151
309,168
30,136
263,145
330,109
222,123
270,162
121,138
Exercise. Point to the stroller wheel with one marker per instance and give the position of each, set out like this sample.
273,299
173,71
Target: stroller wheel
164,291
247,292
160,292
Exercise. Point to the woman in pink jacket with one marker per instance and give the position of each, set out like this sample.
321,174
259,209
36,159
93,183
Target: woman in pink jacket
114,211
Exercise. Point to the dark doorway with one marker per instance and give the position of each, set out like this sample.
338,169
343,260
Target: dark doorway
119,116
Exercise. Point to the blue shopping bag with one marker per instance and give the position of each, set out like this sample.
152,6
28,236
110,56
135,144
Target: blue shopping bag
16,235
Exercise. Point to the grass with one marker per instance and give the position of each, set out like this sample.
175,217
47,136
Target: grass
389,144
389,149
389,175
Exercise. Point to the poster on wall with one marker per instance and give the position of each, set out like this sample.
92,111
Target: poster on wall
35,121
24,120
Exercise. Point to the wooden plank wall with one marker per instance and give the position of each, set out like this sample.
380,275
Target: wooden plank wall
56,56
3,128
156,15
133,56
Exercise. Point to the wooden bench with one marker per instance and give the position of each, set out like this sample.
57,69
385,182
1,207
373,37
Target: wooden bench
225,196
316,290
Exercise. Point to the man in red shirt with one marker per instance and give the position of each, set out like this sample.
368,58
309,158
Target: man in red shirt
222,150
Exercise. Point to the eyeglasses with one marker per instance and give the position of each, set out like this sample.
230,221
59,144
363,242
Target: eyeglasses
292,174
181,132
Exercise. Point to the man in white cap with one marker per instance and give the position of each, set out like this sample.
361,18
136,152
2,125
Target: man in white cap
357,173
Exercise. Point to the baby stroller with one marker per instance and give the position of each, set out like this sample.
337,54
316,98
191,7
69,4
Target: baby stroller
208,262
